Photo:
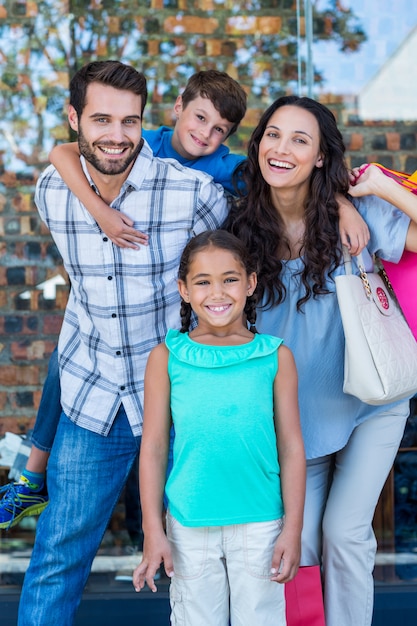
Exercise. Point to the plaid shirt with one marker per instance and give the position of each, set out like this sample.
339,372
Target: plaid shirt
122,301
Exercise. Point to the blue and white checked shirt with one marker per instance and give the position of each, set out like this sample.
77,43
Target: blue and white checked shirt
122,301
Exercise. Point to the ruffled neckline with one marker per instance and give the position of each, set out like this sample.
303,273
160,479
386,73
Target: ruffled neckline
202,355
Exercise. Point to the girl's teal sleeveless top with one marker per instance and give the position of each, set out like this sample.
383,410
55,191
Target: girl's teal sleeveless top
225,468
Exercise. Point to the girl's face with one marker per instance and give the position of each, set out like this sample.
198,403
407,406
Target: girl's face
217,286
290,148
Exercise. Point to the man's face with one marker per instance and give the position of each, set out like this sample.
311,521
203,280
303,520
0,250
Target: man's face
109,128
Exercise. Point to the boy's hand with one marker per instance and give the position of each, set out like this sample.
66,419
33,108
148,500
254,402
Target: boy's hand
156,551
354,231
118,228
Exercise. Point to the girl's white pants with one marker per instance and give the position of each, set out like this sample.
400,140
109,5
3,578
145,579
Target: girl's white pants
222,572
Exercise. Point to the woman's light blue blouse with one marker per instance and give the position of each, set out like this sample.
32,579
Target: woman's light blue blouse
315,336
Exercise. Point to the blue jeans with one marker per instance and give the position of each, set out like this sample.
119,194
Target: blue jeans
50,408
133,509
86,474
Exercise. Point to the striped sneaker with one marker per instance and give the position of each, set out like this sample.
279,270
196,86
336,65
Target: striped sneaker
18,501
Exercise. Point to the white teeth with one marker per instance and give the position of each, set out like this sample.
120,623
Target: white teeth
112,150
287,166
217,309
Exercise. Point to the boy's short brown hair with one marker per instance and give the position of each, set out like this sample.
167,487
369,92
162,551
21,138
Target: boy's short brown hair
226,95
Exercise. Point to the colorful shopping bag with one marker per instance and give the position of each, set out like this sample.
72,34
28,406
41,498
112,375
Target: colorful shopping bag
406,180
403,275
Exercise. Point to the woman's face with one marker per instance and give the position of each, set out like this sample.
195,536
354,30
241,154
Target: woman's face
290,148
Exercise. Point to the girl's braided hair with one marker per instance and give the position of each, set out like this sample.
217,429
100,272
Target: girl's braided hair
224,241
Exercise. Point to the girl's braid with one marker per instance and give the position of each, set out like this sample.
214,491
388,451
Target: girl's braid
185,313
250,311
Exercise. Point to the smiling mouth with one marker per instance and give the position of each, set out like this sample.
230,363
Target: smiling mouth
219,308
281,164
200,143
112,151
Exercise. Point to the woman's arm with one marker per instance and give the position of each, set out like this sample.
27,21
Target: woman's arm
292,462
152,468
116,225
372,181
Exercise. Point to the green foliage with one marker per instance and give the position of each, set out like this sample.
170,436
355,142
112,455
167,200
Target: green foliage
47,41
341,25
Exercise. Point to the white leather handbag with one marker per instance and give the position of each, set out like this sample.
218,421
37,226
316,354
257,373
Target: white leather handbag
380,349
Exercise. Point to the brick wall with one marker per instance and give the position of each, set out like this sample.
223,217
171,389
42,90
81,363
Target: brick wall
29,321
42,43
393,144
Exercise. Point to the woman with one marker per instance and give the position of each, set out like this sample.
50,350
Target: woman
289,217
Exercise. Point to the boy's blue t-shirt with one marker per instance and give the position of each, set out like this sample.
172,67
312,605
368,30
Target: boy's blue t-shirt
220,164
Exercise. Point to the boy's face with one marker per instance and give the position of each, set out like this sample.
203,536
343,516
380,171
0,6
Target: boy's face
199,129
109,128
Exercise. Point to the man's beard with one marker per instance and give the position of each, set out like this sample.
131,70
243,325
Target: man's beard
109,167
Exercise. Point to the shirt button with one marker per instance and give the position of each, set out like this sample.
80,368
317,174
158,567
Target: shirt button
118,353
109,277
113,315
105,238
122,388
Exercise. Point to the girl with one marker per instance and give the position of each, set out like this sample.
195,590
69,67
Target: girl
289,218
238,453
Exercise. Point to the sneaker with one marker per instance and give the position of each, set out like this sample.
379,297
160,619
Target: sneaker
124,576
19,501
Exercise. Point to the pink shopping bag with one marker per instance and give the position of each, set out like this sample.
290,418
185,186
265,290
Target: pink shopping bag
403,275
403,278
304,598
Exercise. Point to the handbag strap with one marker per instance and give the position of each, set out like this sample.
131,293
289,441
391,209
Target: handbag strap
347,259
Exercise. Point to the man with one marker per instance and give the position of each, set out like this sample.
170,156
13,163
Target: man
121,304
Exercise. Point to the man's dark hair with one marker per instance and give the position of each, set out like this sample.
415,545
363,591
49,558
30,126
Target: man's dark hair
112,73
